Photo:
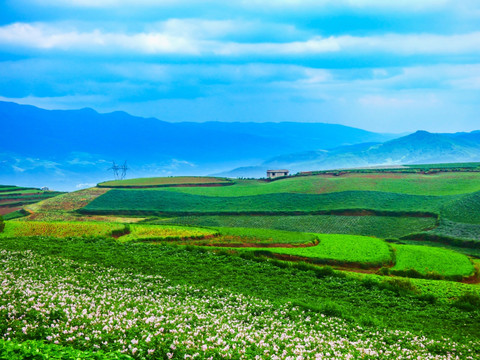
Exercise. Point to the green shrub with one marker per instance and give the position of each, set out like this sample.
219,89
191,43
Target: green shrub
468,302
2,224
399,286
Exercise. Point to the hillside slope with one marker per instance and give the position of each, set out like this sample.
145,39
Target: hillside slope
420,147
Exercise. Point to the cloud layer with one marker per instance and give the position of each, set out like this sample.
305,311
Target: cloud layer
379,65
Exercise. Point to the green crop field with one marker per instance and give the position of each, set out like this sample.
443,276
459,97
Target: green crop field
378,226
426,259
167,181
142,232
457,230
413,184
158,201
341,249
465,209
59,229
249,236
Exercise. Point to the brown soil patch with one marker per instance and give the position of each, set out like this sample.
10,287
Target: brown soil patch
8,210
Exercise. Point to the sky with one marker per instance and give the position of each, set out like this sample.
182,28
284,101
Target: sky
384,66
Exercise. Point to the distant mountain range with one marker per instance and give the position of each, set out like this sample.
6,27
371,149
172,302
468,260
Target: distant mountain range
420,147
66,149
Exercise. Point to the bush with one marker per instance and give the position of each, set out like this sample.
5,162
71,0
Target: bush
2,224
399,286
468,302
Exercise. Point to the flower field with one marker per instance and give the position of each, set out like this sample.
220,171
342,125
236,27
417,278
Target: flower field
87,307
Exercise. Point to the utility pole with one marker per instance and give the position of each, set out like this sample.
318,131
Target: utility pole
120,172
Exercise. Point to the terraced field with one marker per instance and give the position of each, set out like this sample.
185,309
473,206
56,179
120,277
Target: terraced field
59,229
378,226
141,232
413,184
167,181
259,237
465,209
167,202
14,198
426,260
340,250
66,229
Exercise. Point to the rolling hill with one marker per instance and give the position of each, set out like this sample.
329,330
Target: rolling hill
420,147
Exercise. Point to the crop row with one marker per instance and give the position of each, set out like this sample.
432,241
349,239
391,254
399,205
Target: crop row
378,226
166,202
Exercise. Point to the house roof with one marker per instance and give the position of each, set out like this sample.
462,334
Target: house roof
281,170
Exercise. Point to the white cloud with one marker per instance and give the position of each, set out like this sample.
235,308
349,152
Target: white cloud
193,41
316,5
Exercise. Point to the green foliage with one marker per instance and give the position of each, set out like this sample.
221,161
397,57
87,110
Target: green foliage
159,201
469,301
338,249
262,236
378,226
38,350
465,209
2,224
429,261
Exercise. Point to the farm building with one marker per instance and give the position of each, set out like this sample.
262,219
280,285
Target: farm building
272,174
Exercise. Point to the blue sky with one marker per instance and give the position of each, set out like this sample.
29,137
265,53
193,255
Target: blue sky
385,66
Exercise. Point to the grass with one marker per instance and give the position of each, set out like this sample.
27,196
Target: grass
352,299
166,202
378,226
167,181
424,260
341,249
413,184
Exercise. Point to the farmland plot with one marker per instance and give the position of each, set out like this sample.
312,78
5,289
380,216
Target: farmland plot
378,226
425,259
59,229
342,249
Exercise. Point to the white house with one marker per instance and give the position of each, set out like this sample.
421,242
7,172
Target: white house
273,174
